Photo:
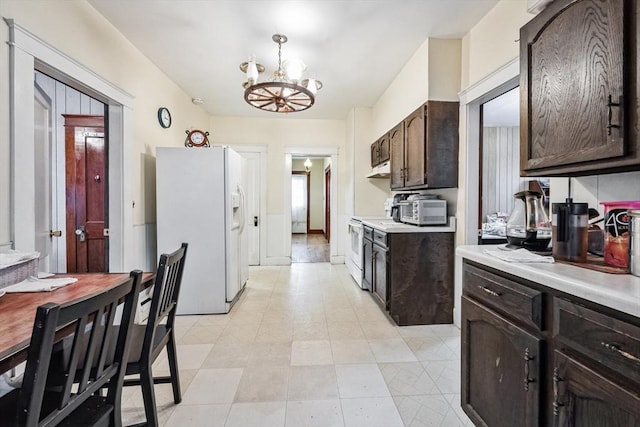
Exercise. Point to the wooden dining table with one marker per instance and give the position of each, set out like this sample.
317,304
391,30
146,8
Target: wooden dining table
18,310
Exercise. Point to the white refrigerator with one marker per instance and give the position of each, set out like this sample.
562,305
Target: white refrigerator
200,200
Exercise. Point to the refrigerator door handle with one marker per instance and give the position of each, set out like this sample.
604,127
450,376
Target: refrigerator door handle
242,208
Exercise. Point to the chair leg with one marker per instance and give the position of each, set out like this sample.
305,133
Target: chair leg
173,368
149,396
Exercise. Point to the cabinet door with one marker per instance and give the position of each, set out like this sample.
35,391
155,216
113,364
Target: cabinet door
500,369
367,264
572,87
396,142
414,154
584,398
380,281
375,157
383,149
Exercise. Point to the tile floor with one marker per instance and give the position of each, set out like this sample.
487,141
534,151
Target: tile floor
305,346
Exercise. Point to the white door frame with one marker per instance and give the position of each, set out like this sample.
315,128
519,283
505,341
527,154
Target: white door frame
470,100
261,150
315,151
27,54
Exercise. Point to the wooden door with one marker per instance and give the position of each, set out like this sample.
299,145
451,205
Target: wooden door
414,155
86,191
572,67
500,369
327,204
582,397
396,146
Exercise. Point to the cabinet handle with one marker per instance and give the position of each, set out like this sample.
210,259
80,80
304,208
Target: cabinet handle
610,104
489,291
616,349
556,392
527,359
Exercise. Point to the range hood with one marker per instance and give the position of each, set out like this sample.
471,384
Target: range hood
381,171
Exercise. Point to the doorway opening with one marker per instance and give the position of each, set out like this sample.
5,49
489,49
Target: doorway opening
118,105
310,220
324,158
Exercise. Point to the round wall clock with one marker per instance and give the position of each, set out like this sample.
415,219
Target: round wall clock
196,138
164,117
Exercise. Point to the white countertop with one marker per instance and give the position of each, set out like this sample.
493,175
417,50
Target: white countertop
618,291
389,226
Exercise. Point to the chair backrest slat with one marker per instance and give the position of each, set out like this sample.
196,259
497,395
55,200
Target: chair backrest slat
92,322
165,294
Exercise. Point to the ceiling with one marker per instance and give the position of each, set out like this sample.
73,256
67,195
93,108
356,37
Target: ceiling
355,47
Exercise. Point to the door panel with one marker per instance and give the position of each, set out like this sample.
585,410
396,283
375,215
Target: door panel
415,149
253,206
584,398
43,200
86,189
501,359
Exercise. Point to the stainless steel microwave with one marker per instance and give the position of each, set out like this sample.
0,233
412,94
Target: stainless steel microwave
424,212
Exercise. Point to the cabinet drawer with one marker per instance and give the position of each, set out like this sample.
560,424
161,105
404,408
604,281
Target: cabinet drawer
368,232
606,340
505,296
380,238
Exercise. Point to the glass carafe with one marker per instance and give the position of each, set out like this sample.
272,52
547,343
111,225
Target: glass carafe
528,225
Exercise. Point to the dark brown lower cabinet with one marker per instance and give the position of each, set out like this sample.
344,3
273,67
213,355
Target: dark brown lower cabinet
535,356
410,275
582,397
367,257
501,366
380,284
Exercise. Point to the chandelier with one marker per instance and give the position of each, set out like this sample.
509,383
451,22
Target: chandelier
285,92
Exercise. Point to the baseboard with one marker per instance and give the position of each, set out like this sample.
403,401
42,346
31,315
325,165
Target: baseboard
316,232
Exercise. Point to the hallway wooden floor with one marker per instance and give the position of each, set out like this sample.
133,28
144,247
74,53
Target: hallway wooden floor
309,248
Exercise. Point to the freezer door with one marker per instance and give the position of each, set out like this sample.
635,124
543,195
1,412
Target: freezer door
190,200
237,251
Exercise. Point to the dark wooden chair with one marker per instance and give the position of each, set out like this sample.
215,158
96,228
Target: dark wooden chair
93,328
151,339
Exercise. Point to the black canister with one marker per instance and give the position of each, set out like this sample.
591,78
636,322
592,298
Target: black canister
570,225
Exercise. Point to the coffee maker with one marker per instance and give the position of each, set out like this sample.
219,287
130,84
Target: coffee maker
570,223
528,225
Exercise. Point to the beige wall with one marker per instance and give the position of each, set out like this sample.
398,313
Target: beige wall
493,41
78,31
278,133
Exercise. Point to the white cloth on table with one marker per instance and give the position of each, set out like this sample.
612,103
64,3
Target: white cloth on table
33,284
519,255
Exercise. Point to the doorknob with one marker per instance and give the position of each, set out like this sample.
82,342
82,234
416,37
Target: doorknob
57,233
255,221
81,233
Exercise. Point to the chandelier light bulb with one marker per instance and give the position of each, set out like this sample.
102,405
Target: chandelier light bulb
312,85
294,69
252,72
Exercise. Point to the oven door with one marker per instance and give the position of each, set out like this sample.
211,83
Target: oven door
354,250
355,238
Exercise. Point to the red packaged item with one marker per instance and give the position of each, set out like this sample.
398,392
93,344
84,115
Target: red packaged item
616,232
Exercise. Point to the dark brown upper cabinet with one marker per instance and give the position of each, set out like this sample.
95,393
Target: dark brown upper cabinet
579,90
380,151
425,154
